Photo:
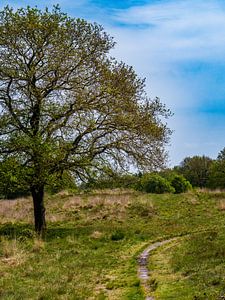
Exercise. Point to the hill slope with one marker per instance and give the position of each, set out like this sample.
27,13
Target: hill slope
93,241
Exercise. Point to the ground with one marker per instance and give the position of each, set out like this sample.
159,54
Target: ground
93,241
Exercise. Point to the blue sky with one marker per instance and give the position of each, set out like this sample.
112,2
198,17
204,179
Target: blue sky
179,46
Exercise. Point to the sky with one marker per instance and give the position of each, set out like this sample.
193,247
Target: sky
179,47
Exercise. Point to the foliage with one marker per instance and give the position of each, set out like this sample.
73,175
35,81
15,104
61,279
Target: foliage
59,183
117,235
196,170
69,106
114,181
221,155
11,185
154,183
216,175
217,171
180,184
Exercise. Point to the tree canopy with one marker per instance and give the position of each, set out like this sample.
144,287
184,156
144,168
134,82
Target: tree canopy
66,105
196,170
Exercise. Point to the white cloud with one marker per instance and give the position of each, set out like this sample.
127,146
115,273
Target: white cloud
189,29
177,33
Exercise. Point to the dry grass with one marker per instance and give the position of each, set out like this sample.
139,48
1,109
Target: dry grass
11,252
20,209
103,204
103,199
210,191
96,234
97,206
113,192
38,245
221,204
193,200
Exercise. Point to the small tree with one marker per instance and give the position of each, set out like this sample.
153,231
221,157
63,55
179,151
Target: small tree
65,105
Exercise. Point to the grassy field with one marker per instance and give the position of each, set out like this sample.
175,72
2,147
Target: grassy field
93,240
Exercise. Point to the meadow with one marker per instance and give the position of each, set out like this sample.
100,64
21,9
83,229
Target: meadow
93,240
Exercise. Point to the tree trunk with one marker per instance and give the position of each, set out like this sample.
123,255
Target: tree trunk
39,209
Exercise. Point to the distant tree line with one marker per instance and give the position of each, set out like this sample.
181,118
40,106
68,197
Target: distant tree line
155,182
196,172
204,172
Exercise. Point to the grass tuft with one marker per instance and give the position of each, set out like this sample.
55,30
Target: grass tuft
11,253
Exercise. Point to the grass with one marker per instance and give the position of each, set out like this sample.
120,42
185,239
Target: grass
93,241
192,268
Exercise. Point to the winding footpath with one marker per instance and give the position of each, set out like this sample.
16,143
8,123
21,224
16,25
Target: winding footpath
143,271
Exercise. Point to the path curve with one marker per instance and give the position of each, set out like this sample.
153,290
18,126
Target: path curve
143,271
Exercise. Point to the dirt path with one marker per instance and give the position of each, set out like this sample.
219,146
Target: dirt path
143,272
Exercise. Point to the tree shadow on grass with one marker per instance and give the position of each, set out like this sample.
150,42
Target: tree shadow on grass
62,231
24,231
18,230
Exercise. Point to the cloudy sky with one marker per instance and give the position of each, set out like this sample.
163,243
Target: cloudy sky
179,46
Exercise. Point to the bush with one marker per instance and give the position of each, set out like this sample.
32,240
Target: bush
153,183
180,184
117,235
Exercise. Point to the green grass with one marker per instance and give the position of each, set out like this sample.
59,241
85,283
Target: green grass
191,268
93,241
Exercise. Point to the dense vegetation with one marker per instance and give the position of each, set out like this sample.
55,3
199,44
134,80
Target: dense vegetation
204,172
93,241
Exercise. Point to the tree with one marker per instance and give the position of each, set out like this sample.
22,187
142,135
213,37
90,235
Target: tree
217,172
66,105
196,170
217,175
221,155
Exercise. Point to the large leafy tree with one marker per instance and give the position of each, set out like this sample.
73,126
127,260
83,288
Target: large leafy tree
66,105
